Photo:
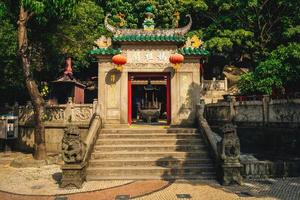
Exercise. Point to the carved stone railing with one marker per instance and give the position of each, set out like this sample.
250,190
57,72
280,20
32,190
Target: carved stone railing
74,174
60,114
214,85
253,113
227,163
211,137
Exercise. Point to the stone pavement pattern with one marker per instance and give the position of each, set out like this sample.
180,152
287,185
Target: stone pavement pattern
41,184
280,188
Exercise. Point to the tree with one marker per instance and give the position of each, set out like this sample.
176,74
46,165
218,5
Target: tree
42,11
11,76
76,36
280,70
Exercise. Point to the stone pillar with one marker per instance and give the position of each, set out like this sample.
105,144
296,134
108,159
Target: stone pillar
265,101
73,151
232,109
95,104
201,109
68,110
229,152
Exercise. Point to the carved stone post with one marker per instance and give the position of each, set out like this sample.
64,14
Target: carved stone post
229,152
225,84
266,101
95,104
73,151
232,109
201,109
69,110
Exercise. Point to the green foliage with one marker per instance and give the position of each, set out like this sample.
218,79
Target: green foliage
11,76
263,31
76,36
50,8
281,68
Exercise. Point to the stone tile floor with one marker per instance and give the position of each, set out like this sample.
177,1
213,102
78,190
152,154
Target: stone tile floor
42,184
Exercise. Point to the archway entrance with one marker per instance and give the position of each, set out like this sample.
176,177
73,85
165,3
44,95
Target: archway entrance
149,98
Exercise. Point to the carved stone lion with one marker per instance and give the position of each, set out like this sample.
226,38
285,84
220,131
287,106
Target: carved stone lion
73,149
230,144
229,151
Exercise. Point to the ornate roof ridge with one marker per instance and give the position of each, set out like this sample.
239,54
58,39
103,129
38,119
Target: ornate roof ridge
174,31
105,51
189,51
148,38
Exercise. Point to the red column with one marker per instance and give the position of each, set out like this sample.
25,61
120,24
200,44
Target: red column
129,101
168,100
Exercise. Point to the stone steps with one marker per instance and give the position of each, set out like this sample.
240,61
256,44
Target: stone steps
149,130
148,136
144,155
163,162
202,177
150,153
151,170
147,148
135,141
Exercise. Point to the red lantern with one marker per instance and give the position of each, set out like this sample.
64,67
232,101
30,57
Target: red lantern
119,60
176,59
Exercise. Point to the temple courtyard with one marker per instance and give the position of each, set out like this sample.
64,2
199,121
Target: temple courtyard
42,183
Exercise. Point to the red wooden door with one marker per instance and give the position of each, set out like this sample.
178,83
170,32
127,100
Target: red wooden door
168,100
129,101
149,75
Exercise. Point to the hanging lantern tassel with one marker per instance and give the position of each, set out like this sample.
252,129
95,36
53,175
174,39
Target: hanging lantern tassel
119,68
119,60
176,59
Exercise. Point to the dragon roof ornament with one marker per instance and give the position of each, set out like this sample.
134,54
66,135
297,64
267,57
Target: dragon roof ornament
174,31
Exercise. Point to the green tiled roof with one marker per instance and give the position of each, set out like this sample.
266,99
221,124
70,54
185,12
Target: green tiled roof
193,51
105,51
148,38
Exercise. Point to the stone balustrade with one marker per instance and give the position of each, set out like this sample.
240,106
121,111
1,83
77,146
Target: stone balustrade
56,119
214,85
281,112
225,149
59,115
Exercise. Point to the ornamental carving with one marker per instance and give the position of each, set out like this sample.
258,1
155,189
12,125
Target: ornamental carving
82,114
55,114
73,148
103,42
229,151
25,114
230,144
174,31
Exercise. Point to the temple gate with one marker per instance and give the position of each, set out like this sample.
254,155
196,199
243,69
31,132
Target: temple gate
146,53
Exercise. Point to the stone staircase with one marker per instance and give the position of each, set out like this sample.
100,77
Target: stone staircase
150,153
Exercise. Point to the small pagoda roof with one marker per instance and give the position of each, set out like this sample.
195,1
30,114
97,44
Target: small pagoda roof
105,51
68,78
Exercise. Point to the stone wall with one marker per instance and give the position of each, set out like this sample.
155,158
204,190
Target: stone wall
254,168
56,120
213,90
267,150
285,112
113,85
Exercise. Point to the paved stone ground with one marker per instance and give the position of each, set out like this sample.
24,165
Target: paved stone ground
42,184
44,181
280,188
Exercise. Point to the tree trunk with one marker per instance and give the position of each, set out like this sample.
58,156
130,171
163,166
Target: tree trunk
36,97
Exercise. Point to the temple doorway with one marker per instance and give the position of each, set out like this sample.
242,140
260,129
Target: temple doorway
149,98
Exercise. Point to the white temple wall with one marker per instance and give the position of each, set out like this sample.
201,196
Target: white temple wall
113,85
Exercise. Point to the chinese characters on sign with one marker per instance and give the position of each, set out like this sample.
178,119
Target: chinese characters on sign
146,56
